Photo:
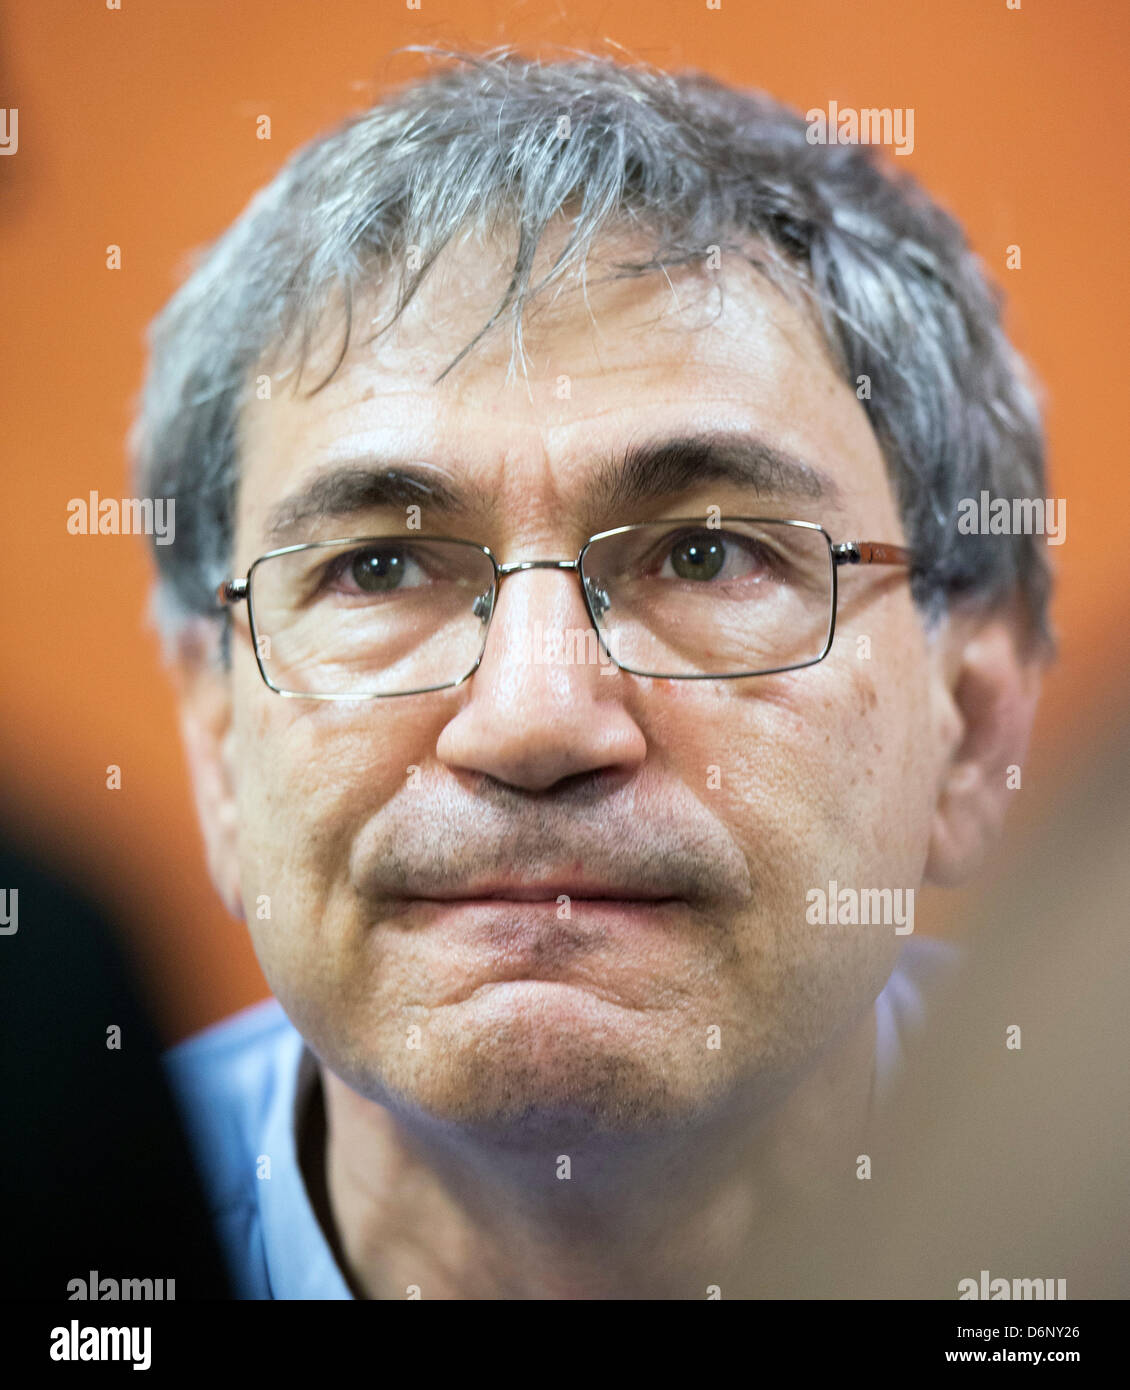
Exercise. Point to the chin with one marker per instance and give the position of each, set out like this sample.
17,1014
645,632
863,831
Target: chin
517,1095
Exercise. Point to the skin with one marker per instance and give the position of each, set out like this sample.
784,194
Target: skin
438,1165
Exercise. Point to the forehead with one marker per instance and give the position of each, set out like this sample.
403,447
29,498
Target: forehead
607,361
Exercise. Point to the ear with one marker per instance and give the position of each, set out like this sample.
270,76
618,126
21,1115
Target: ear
205,705
992,676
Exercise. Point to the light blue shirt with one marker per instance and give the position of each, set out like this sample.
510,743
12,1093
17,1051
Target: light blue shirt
243,1084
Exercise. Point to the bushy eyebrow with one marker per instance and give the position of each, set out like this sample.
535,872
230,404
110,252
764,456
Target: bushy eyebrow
645,473
655,470
352,488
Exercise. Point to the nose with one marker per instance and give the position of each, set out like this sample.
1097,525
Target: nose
545,703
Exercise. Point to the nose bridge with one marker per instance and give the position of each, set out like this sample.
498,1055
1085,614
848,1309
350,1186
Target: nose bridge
594,600
553,598
533,617
517,565
539,709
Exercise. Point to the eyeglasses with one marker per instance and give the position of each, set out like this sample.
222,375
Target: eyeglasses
377,616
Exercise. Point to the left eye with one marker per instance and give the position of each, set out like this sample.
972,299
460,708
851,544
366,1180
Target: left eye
377,571
705,555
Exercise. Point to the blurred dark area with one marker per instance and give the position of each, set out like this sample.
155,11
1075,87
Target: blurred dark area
1010,1159
95,1170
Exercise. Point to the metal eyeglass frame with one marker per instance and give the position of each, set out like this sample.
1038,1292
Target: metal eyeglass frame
233,591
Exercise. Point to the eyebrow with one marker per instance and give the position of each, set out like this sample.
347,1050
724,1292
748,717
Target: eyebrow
654,470
646,472
356,487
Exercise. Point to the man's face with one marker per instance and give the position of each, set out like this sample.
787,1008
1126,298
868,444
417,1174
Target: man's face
728,800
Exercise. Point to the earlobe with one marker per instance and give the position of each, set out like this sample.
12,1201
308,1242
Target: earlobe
209,739
994,685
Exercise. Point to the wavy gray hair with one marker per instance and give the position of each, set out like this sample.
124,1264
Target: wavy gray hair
684,162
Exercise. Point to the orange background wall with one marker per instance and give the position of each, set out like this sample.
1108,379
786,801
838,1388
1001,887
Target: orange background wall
137,127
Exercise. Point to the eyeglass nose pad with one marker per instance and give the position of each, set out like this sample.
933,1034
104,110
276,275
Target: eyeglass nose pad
483,606
598,597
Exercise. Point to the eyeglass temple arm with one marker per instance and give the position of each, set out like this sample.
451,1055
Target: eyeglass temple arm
870,553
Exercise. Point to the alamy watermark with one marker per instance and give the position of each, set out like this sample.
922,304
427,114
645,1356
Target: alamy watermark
570,646
131,516
990,1288
101,1288
1013,516
870,125
78,1343
865,907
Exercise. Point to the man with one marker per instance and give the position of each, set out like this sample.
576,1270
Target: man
582,667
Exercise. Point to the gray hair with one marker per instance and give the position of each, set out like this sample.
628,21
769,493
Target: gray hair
678,159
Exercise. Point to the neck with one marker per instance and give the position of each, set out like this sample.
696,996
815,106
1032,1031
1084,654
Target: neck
409,1205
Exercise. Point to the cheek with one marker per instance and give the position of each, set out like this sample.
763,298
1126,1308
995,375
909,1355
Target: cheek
309,774
320,763
815,772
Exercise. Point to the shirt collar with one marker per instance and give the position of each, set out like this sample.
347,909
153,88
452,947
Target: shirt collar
300,1263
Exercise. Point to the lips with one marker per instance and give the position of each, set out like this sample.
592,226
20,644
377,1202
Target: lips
546,892
458,841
